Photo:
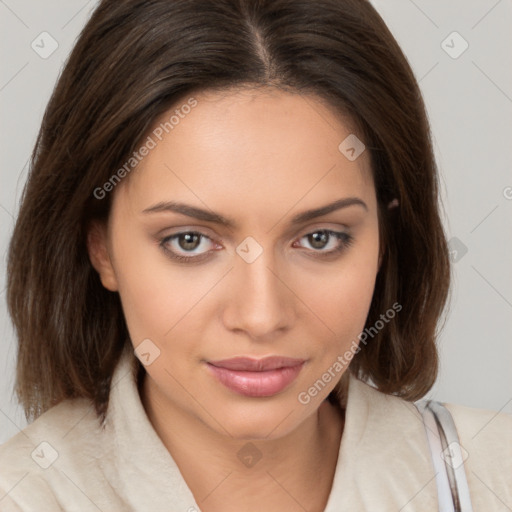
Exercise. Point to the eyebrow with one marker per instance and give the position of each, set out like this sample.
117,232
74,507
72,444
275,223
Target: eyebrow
209,216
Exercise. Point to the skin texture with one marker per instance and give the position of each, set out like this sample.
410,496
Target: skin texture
259,158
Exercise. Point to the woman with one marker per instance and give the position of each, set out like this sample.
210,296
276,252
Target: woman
228,269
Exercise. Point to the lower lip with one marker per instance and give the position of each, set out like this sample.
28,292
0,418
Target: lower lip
256,384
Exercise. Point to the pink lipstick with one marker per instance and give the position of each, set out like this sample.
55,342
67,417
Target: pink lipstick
256,377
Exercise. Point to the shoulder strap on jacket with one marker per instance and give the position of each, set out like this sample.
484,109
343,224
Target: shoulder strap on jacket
447,457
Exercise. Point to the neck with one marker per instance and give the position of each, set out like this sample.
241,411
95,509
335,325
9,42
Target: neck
293,472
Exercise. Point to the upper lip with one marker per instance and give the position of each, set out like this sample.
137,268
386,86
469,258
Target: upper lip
248,364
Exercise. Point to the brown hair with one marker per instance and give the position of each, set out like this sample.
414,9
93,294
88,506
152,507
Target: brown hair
132,61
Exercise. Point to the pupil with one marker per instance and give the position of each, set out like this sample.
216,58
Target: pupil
190,241
318,240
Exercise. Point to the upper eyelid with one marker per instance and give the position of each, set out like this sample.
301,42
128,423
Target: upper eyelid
303,231
187,231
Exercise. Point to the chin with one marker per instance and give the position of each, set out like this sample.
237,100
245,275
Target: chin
263,419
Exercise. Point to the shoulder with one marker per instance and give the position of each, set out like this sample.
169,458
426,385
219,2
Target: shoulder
393,431
482,429
31,462
485,437
59,426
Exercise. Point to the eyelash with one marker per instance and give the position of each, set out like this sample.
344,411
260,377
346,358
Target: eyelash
345,239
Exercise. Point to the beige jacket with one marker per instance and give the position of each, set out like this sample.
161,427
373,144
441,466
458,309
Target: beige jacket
64,461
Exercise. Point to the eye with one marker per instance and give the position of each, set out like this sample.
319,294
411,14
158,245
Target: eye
326,242
192,246
191,243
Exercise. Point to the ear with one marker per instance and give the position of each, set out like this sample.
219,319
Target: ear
98,249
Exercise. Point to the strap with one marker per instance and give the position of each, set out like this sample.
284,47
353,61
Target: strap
446,452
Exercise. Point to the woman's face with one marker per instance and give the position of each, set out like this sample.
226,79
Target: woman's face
277,282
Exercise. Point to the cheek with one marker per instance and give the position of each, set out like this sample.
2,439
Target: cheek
343,307
341,293
157,296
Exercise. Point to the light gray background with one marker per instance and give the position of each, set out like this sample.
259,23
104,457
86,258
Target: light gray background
469,100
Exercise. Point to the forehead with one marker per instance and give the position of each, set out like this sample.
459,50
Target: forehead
265,147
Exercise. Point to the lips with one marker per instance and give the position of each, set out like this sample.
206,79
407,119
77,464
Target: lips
256,377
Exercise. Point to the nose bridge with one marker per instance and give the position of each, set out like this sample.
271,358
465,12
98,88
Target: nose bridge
259,302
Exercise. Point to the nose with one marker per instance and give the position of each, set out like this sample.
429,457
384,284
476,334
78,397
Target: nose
260,302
